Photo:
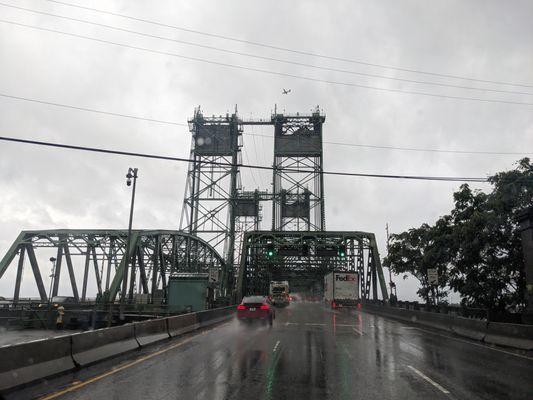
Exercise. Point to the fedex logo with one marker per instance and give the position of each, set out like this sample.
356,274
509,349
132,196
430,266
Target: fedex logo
346,278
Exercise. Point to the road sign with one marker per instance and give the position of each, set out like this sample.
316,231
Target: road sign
433,276
213,274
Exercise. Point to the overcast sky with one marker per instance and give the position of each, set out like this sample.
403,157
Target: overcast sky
44,188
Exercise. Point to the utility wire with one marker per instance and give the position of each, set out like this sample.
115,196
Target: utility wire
262,135
264,71
264,57
301,52
512,153
49,103
225,164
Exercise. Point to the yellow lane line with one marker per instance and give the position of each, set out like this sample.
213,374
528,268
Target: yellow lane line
77,386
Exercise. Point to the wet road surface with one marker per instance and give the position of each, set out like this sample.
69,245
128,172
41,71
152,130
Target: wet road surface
311,352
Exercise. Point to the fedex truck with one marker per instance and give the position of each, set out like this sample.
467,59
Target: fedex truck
341,289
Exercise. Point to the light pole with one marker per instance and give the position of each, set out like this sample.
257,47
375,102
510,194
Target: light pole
53,261
132,174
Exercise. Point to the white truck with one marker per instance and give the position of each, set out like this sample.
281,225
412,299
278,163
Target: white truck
341,289
279,293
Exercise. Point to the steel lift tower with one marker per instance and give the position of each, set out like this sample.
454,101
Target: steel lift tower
298,181
215,207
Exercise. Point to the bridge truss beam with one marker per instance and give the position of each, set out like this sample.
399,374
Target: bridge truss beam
297,259
154,256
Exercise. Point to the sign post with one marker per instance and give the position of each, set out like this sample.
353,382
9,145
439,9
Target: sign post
433,280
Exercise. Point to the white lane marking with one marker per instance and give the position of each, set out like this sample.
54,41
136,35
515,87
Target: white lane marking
349,325
477,344
276,347
357,331
291,323
313,324
428,379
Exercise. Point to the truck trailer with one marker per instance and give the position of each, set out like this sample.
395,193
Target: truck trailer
341,289
279,293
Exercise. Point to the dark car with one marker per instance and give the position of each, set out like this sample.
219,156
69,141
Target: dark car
255,308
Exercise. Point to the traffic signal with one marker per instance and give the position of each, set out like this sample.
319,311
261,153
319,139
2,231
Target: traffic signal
270,250
341,251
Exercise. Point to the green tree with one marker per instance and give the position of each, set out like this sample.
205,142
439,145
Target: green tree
477,247
416,250
487,269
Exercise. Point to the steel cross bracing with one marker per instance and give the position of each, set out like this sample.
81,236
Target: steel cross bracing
211,190
296,259
215,206
298,202
154,256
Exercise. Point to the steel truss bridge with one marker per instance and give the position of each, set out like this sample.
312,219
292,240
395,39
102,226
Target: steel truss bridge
219,228
98,256
303,258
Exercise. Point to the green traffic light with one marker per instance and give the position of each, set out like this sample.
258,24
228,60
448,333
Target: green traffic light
270,253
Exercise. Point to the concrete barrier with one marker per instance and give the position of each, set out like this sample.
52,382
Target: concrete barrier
435,320
210,317
510,335
27,362
151,331
89,347
181,324
470,328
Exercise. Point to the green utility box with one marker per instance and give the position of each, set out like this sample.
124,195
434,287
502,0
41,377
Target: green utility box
187,292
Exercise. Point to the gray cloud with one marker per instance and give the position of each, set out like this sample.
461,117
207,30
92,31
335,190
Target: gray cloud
48,188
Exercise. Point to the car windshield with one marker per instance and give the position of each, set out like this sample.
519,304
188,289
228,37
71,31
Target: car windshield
250,199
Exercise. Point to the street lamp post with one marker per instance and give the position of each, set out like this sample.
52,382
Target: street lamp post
132,174
52,276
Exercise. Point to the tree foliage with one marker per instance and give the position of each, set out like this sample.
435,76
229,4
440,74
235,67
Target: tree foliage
476,248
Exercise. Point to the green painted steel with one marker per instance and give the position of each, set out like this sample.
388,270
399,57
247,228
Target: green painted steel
187,293
303,258
155,255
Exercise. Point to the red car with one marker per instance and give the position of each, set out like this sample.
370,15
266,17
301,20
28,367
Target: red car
255,308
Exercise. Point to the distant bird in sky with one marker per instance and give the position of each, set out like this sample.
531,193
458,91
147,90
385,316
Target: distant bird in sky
286,91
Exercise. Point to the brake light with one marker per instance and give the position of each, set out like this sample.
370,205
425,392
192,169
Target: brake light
264,307
241,307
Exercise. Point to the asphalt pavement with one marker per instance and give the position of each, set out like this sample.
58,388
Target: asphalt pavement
311,352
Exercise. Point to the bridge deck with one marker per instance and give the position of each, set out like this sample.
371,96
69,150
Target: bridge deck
310,353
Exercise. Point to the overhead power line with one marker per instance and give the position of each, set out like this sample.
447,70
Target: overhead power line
68,106
264,71
286,49
49,103
187,160
371,146
265,57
